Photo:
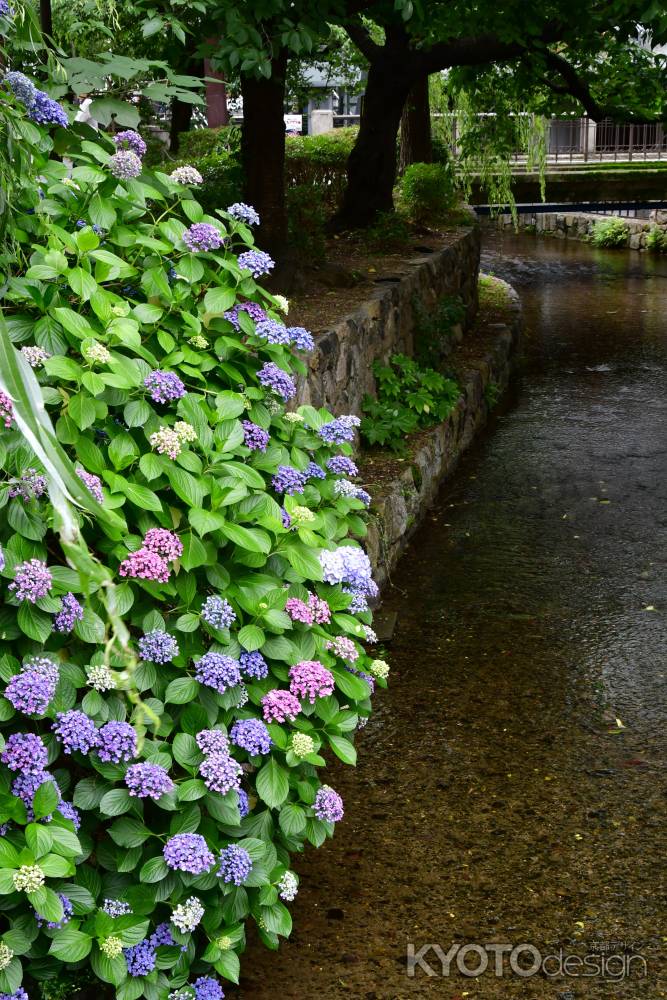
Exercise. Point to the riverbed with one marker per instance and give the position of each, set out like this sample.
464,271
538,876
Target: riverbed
511,784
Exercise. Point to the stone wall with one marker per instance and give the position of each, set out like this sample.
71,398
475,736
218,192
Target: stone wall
579,225
340,372
399,506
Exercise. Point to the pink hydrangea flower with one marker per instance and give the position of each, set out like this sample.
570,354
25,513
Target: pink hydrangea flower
165,543
310,679
321,610
298,611
344,648
280,705
145,565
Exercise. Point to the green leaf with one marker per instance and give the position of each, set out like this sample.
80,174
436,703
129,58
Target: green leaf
65,842
186,750
252,539
45,800
181,690
229,404
127,832
38,839
81,409
154,870
305,562
33,622
70,945
11,977
116,802
272,784
219,300
9,857
194,552
204,521
186,486
188,791
90,628
354,687
81,283
292,819
343,749
29,522
251,637
141,496
228,965
101,212
55,866
7,877
47,904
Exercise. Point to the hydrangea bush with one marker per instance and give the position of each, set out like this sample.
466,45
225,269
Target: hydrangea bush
170,700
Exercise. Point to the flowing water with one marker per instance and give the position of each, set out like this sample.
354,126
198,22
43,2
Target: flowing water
511,784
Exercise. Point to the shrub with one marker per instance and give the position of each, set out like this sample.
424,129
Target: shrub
320,161
184,609
408,398
656,240
306,222
434,327
610,233
428,190
390,232
199,143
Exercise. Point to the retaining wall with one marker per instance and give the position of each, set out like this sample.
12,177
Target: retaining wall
579,225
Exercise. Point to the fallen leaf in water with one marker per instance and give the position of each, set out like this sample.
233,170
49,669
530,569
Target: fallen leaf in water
650,607
619,723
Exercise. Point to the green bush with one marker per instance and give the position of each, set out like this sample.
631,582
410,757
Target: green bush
656,240
177,553
306,218
428,191
204,142
611,232
409,398
320,161
390,232
434,327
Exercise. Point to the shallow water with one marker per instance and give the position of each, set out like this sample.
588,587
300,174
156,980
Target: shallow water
511,785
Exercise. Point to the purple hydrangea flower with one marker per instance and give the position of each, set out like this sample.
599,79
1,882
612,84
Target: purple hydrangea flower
328,805
348,564
288,480
339,430
217,612
31,690
253,309
6,410
145,565
314,471
244,213
30,486
25,752
235,864
76,731
207,988
124,165
22,88
251,735
254,665
20,993
70,613
188,852
164,386
244,803
279,705
301,338
202,236
257,262
286,519
148,781
341,465
32,581
218,671
68,913
273,377
310,679
116,741
116,908
140,958
158,647
162,936
220,772
212,741
46,111
273,332
254,436
130,140
94,483
68,811
165,543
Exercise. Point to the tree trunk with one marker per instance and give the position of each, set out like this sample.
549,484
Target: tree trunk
371,168
181,117
46,17
416,144
217,112
263,154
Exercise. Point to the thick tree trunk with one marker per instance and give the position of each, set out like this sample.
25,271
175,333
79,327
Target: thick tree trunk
416,146
263,154
371,168
217,112
46,17
181,117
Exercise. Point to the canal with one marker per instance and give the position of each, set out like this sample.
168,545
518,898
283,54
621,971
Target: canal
511,784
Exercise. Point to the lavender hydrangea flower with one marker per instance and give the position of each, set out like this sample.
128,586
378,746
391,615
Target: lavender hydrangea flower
254,436
314,471
124,165
348,564
220,772
30,486
31,690
208,989
244,803
70,613
288,480
251,735
25,752
218,671
272,332
188,852
162,936
254,665
235,864
253,309
117,741
94,483
212,741
116,908
301,338
130,139
274,378
340,430
76,731
22,88
69,811
164,386
158,647
148,781
341,465
328,805
32,581
6,410
35,356
202,236
46,111
217,612
257,262
244,213
140,958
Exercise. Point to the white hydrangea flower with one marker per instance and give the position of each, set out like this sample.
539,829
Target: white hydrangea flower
186,175
282,303
380,669
29,878
288,887
293,418
302,744
112,946
35,356
97,352
188,915
101,678
6,955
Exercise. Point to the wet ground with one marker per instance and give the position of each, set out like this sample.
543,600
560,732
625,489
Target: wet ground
511,786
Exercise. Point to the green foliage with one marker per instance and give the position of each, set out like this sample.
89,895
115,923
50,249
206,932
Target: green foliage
428,190
200,143
656,240
492,393
110,301
409,398
321,162
306,218
610,232
390,232
434,327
